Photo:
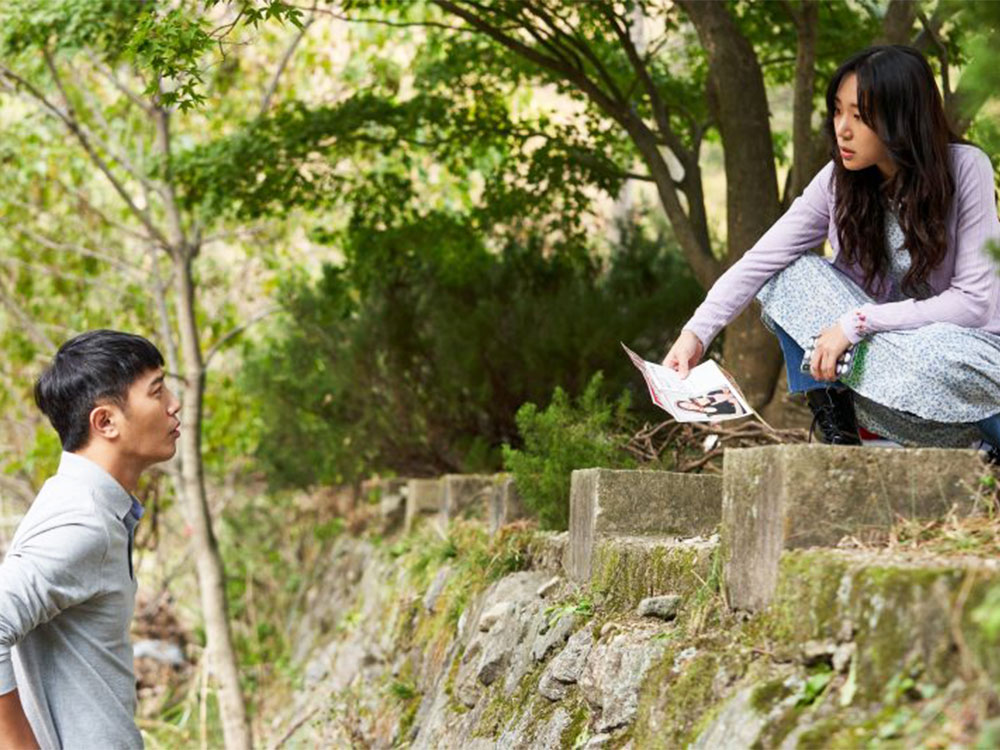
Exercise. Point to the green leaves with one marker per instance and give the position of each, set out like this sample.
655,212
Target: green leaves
814,686
415,354
561,438
172,46
100,25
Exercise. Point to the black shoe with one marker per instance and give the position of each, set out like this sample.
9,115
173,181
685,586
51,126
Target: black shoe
833,411
993,456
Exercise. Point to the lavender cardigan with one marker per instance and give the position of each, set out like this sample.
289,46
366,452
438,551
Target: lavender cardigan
966,283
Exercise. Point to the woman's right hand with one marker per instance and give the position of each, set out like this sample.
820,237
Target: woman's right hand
684,354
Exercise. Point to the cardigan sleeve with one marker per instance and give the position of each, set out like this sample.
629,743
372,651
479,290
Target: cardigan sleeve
971,298
801,228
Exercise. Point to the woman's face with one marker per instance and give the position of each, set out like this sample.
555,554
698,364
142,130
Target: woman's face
860,147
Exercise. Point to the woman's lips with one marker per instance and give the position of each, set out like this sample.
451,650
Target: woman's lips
845,153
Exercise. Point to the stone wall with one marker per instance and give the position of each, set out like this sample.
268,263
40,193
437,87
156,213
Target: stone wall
774,606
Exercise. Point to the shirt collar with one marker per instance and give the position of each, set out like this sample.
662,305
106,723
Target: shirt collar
108,490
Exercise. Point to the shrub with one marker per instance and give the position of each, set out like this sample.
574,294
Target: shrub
414,355
561,438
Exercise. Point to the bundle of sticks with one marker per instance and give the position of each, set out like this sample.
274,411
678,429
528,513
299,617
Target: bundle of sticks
696,445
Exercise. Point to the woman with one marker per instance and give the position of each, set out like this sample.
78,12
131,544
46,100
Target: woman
721,401
909,210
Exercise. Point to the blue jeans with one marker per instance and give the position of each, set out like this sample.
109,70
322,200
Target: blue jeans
799,382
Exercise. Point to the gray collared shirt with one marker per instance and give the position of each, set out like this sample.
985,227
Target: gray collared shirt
67,593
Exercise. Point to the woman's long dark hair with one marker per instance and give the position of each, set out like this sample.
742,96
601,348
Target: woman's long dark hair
899,99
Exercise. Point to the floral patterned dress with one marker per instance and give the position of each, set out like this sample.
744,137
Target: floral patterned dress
921,386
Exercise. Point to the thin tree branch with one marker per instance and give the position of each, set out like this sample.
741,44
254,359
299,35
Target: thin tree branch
923,41
384,22
942,51
92,208
179,245
27,322
121,265
693,238
660,112
227,26
232,235
56,273
548,41
237,331
162,310
612,108
583,48
131,95
265,103
120,158
74,129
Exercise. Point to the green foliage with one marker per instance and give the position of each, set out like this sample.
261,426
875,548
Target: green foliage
264,581
415,354
563,437
987,614
173,44
103,25
583,607
814,686
981,77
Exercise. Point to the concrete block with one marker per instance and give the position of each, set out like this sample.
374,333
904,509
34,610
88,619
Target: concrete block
895,608
424,497
506,505
606,503
468,495
787,496
627,569
391,494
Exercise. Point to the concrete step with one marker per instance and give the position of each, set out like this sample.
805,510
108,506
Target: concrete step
491,498
606,503
795,496
939,615
628,569
424,497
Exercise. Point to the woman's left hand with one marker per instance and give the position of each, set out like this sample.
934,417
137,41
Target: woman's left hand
829,346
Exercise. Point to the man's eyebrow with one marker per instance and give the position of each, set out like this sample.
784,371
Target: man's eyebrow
155,382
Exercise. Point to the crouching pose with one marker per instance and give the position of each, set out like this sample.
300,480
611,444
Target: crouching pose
909,211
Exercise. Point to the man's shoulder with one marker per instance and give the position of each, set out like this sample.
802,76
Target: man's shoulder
63,498
63,512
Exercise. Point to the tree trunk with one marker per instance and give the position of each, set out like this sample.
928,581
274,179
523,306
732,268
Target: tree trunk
208,562
738,100
809,149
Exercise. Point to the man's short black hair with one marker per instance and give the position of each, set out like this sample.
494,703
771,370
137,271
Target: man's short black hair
94,367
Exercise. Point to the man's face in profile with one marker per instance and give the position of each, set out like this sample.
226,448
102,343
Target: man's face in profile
149,426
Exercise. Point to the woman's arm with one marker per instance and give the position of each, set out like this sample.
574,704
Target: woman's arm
801,228
971,299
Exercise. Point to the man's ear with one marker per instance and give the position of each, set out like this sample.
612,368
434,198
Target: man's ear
104,421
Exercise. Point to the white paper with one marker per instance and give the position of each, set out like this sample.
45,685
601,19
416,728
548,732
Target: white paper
705,395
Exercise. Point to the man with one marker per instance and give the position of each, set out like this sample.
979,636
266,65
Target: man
67,587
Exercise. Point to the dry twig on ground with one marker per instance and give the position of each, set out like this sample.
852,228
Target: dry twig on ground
695,445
